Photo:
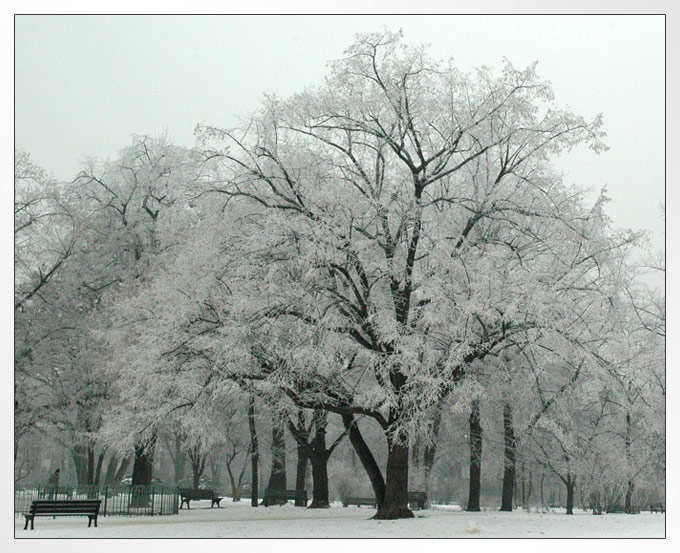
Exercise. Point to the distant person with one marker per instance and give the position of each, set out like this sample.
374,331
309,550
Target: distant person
53,484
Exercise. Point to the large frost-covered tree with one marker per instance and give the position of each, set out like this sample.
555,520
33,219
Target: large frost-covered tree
410,223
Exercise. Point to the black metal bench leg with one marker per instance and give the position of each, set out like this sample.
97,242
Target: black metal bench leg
26,525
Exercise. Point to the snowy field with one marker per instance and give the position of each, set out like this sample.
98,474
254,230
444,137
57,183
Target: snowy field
239,520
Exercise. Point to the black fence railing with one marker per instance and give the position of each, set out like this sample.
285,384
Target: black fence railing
115,501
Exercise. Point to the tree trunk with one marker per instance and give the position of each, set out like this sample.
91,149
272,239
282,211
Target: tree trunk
366,457
179,459
120,473
509,459
143,468
320,498
300,473
395,504
90,466
111,470
277,477
98,471
196,473
254,455
79,455
628,501
475,441
431,448
197,460
571,484
302,459
239,484
142,472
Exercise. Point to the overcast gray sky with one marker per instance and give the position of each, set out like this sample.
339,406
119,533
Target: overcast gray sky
84,84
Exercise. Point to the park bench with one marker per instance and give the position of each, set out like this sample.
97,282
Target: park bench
657,508
64,507
359,501
417,500
189,494
280,497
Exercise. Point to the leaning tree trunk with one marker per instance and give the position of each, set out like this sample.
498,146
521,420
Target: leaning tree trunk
366,457
110,470
509,459
254,452
120,473
80,464
98,470
475,488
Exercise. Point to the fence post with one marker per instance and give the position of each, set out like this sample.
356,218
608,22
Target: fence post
153,497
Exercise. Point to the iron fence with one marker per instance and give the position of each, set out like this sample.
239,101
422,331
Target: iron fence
115,501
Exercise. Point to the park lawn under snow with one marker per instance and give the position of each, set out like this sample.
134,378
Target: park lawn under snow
240,520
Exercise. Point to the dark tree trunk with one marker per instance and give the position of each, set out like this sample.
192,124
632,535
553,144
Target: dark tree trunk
395,504
142,471
628,501
98,471
366,457
302,458
254,454
143,467
571,485
509,459
300,473
320,498
475,441
90,466
277,477
319,458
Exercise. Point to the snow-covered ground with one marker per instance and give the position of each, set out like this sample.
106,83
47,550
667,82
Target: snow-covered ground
239,520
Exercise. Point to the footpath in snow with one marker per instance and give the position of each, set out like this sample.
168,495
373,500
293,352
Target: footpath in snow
240,520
